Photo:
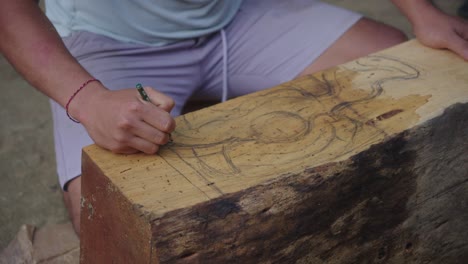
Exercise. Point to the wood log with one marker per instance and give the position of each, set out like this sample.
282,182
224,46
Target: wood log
366,162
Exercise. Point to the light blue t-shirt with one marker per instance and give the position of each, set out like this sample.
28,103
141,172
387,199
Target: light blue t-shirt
152,22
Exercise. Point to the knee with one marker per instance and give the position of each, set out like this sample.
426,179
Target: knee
72,198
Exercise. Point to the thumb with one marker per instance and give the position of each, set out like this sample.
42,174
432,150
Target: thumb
159,99
459,40
458,45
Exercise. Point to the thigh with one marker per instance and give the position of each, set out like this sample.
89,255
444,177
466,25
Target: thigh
271,42
364,37
170,69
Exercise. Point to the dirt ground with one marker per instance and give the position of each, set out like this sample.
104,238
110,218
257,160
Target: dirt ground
29,190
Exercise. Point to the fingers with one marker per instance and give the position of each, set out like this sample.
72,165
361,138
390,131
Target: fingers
143,145
462,47
126,124
462,29
148,127
159,99
157,113
443,31
160,120
459,45
150,134
133,145
144,128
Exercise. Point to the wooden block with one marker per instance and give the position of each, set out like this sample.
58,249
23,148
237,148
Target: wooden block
361,163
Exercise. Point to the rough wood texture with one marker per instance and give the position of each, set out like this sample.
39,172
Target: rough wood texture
366,162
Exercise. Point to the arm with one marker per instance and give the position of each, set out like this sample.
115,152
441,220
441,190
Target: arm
30,43
434,28
33,47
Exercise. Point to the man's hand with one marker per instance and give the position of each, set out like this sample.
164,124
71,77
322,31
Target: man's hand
434,28
122,122
116,120
438,30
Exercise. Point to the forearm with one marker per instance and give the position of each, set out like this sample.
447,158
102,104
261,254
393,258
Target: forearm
414,10
31,44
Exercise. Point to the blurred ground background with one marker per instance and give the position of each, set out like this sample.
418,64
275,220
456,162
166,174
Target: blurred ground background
29,190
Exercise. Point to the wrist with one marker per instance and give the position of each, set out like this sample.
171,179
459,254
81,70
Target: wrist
83,98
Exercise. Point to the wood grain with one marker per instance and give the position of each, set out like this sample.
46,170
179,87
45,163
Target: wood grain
338,166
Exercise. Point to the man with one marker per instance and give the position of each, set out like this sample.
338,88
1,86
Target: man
89,60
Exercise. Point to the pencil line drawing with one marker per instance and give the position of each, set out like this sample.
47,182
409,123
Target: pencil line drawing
287,125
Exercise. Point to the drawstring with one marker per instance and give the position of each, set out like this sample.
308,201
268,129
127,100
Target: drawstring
225,66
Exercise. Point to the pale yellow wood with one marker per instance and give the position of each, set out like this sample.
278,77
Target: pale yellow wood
317,119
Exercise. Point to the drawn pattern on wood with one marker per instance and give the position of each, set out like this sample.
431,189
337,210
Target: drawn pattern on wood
319,115
386,184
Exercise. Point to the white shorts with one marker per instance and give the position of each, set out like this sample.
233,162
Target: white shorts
268,42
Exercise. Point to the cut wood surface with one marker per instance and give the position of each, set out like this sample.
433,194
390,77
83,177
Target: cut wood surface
332,167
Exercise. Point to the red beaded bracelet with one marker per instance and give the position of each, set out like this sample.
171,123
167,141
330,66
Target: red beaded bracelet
73,96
